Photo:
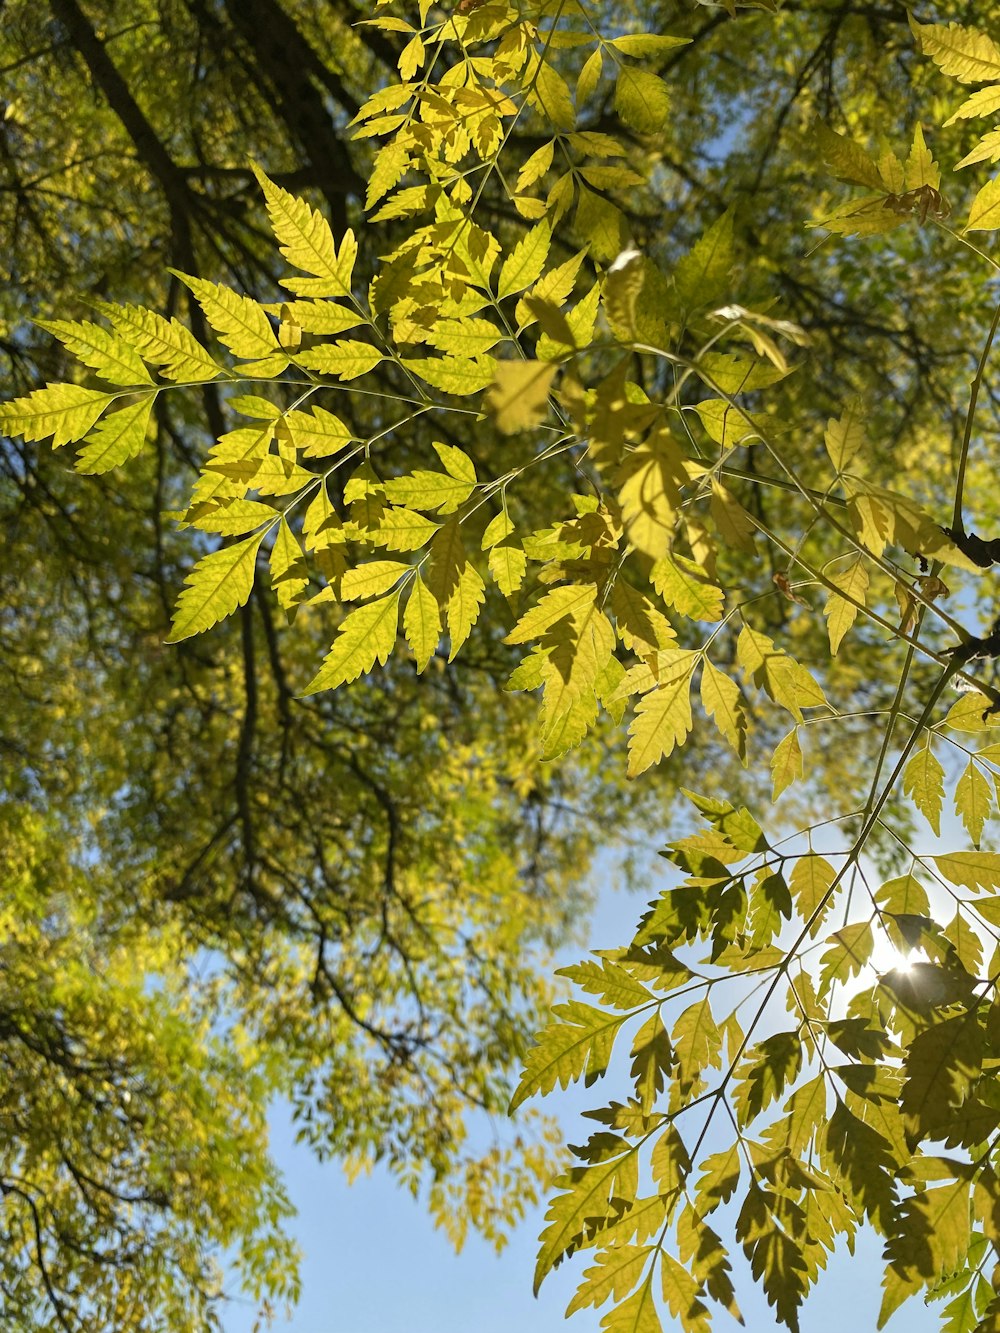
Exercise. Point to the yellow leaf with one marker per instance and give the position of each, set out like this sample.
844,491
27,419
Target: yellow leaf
684,585
289,575
64,411
974,800
106,353
239,321
982,103
549,95
346,359
166,343
525,263
518,397
570,600
455,375
589,77
641,99
965,53
920,168
809,884
723,702
786,763
118,437
986,150
663,717
463,607
306,241
648,484
422,623
366,636
841,612
985,212
972,870
845,436
371,579
923,782
218,584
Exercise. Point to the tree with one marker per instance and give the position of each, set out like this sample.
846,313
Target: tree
465,428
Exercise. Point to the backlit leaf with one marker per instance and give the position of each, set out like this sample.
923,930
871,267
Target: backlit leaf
366,636
218,584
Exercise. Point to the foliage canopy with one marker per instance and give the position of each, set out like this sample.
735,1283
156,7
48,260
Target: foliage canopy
592,381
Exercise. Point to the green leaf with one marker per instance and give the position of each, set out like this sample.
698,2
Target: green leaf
642,100
118,437
851,949
703,276
940,1066
366,636
930,1239
767,1069
720,1178
306,241
64,411
847,159
218,584
697,1044
863,1164
652,1059
777,1262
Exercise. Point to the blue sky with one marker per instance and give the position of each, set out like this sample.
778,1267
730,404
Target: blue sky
374,1263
